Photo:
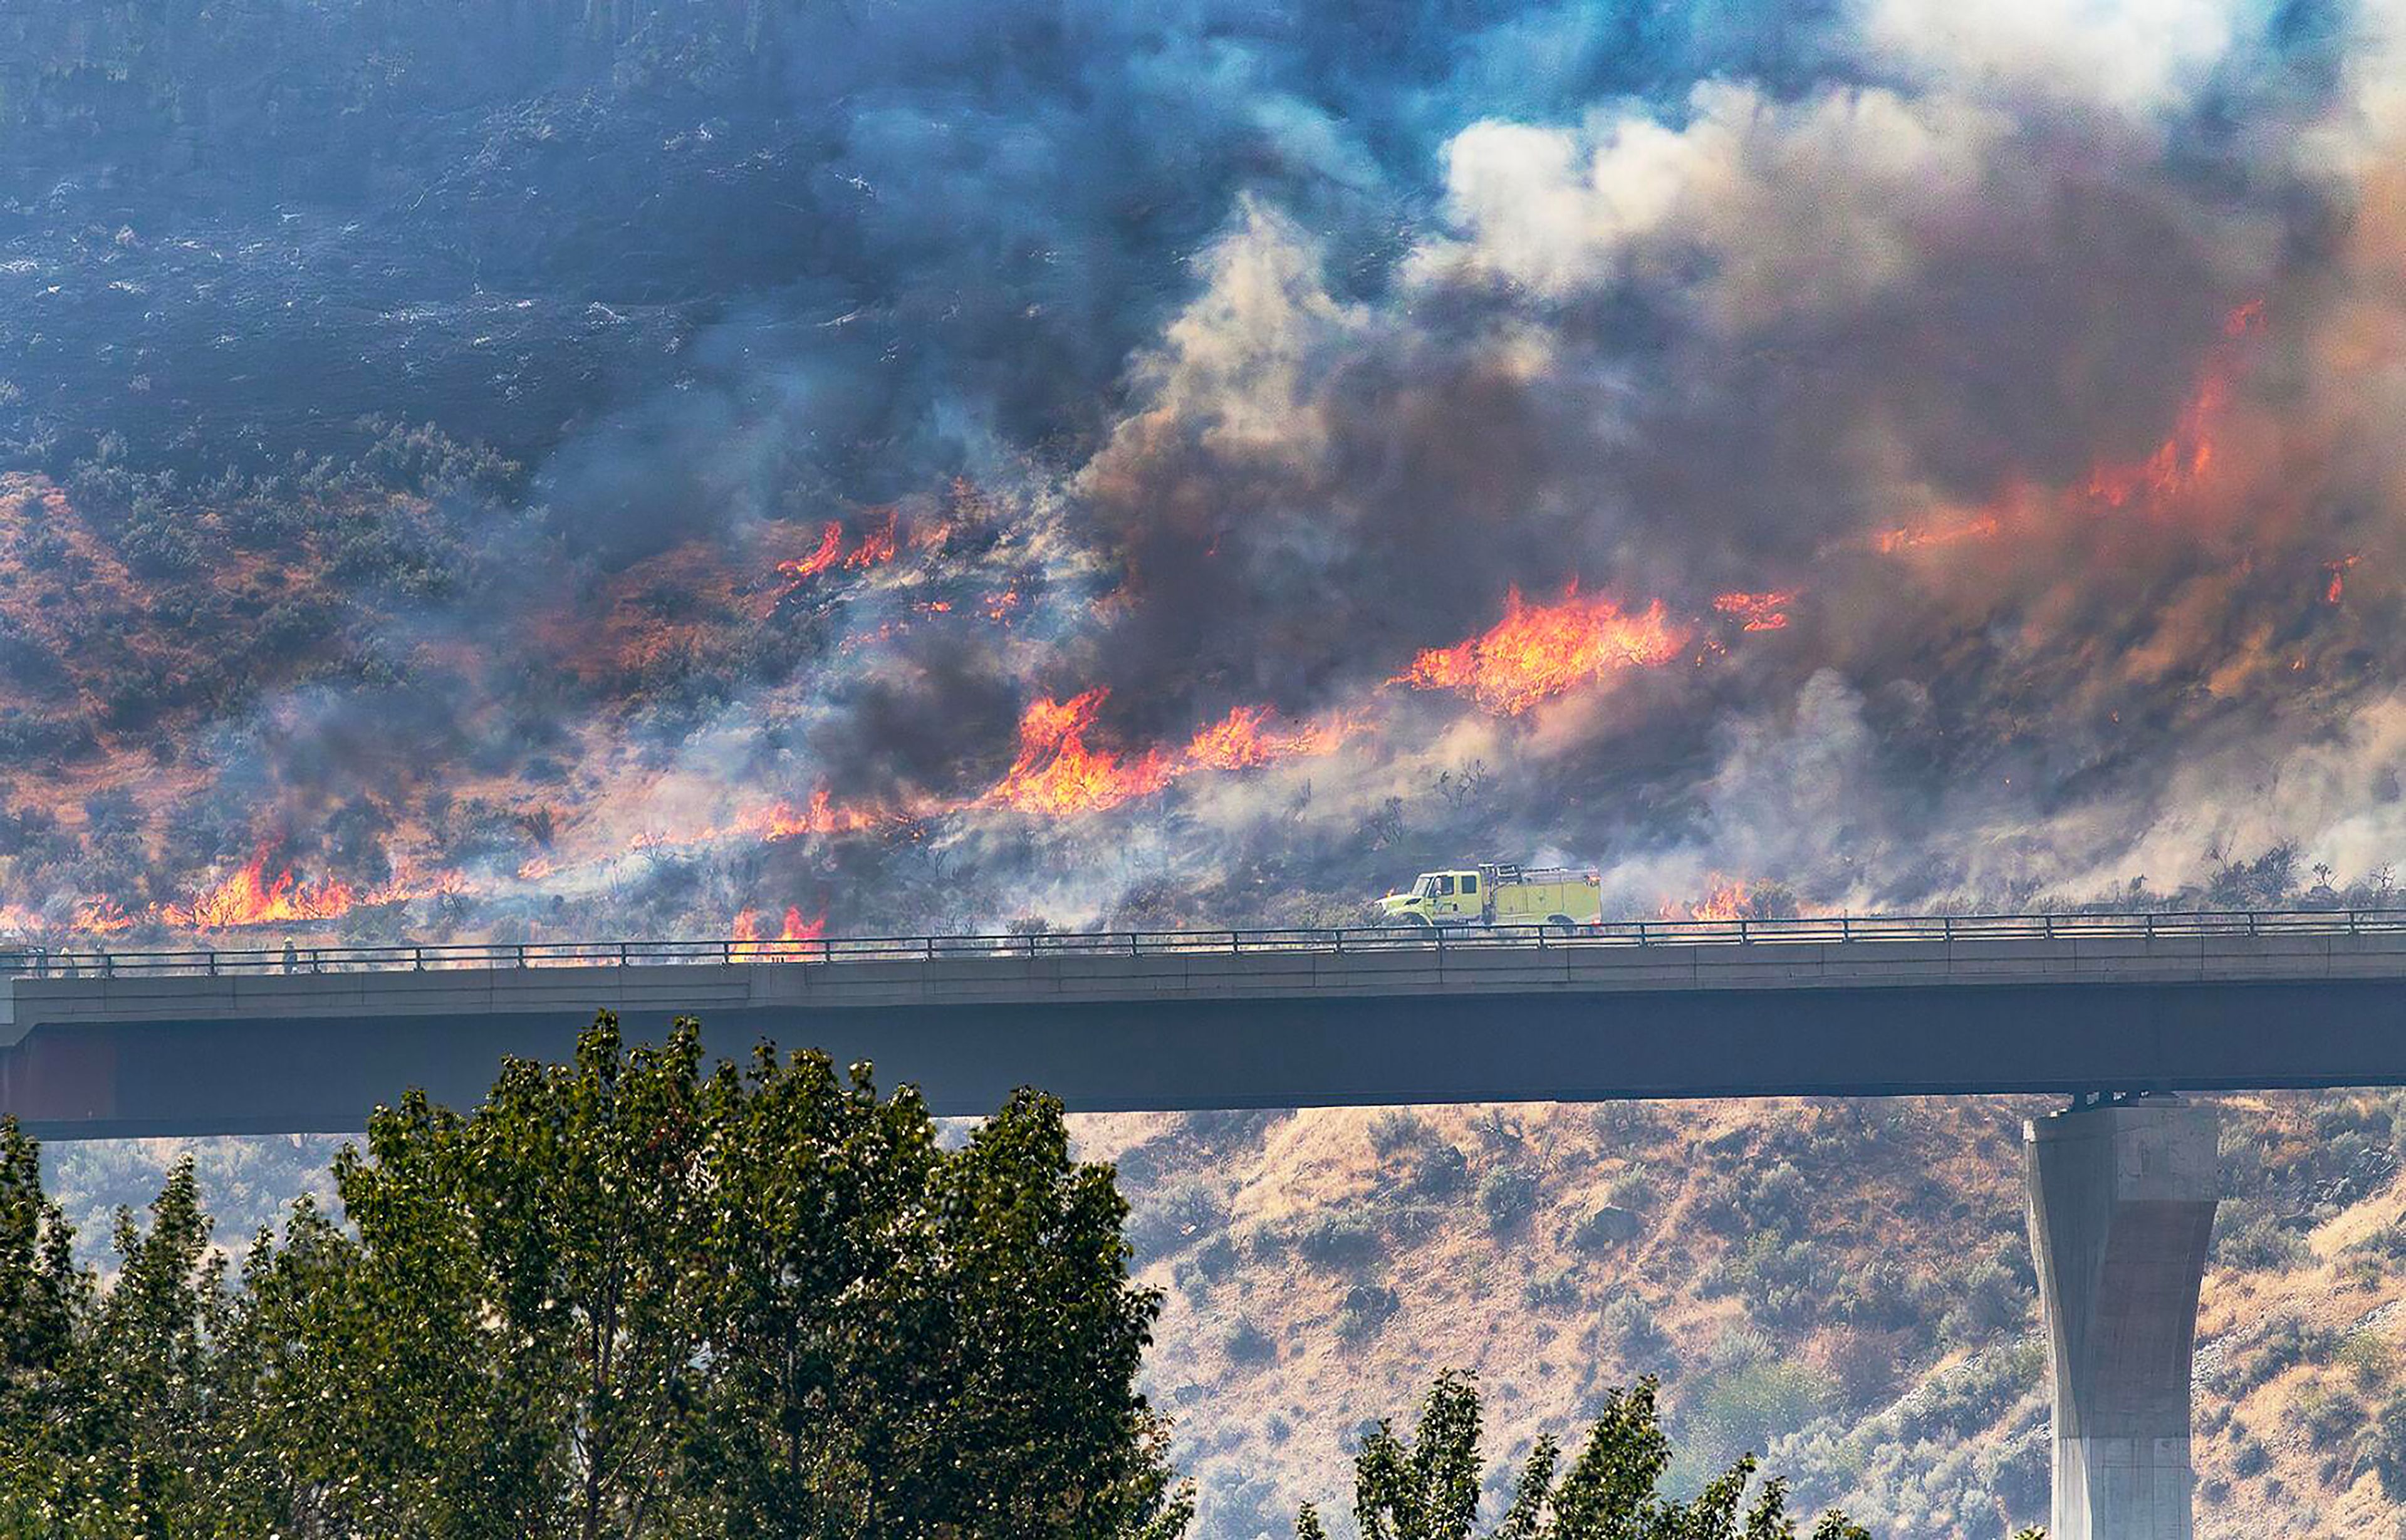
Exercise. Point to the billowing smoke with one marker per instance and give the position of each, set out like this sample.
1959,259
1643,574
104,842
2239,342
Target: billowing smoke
1198,463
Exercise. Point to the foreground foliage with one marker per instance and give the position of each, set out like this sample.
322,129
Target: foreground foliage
621,1297
626,1296
1426,1487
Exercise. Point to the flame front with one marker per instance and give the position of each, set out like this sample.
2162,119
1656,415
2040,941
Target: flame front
1948,531
251,898
101,916
1056,774
1538,652
876,547
748,942
1763,612
1239,742
820,817
2185,460
1725,901
2336,589
831,546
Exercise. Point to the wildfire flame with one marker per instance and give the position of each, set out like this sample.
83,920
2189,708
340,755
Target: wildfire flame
876,547
1727,900
1239,742
2178,465
2337,589
251,898
821,816
2185,459
831,546
1056,774
101,916
1913,537
750,943
1763,612
1538,652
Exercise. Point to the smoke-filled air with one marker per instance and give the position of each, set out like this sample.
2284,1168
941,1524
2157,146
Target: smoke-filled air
545,470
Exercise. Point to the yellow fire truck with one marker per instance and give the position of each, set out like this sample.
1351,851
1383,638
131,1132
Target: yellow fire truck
1499,894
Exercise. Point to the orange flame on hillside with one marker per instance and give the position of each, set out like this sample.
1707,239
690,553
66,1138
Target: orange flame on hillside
1727,900
101,916
1763,612
1538,652
1914,537
876,547
1239,742
251,898
2337,589
2178,465
820,815
1058,775
831,546
2181,464
2185,457
1055,773
749,942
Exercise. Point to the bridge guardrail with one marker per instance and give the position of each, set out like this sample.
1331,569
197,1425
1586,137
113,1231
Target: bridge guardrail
42,962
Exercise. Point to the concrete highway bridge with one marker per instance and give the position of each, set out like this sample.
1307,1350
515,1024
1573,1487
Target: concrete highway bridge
2122,1013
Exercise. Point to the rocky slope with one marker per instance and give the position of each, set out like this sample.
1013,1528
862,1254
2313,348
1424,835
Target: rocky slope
1844,1285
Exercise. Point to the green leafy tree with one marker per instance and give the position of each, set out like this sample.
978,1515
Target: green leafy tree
623,1296
1426,1487
131,1441
43,1295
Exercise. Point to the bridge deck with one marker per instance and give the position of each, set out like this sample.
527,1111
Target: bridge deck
262,1039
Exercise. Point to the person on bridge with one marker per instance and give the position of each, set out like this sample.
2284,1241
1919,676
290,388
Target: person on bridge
291,956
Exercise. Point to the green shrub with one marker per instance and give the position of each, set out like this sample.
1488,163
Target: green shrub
1633,1189
1367,1305
2330,1414
2367,1358
1247,1343
1339,1240
2287,1341
1507,1195
1217,1258
1551,1290
1750,1395
1604,1229
1390,1132
2251,1237
1629,1324
1175,1216
1435,1171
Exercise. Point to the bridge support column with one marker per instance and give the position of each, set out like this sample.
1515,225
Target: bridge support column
2121,1210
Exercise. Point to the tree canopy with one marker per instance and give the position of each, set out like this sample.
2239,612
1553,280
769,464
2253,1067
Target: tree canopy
638,1295
1426,1485
627,1296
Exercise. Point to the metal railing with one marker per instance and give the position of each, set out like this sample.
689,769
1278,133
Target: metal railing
42,962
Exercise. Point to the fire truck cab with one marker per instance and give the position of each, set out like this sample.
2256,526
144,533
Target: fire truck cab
1501,893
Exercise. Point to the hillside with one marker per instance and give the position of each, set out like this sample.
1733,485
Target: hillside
1845,1285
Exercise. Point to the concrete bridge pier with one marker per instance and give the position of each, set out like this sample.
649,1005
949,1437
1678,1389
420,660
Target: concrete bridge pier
2121,1211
